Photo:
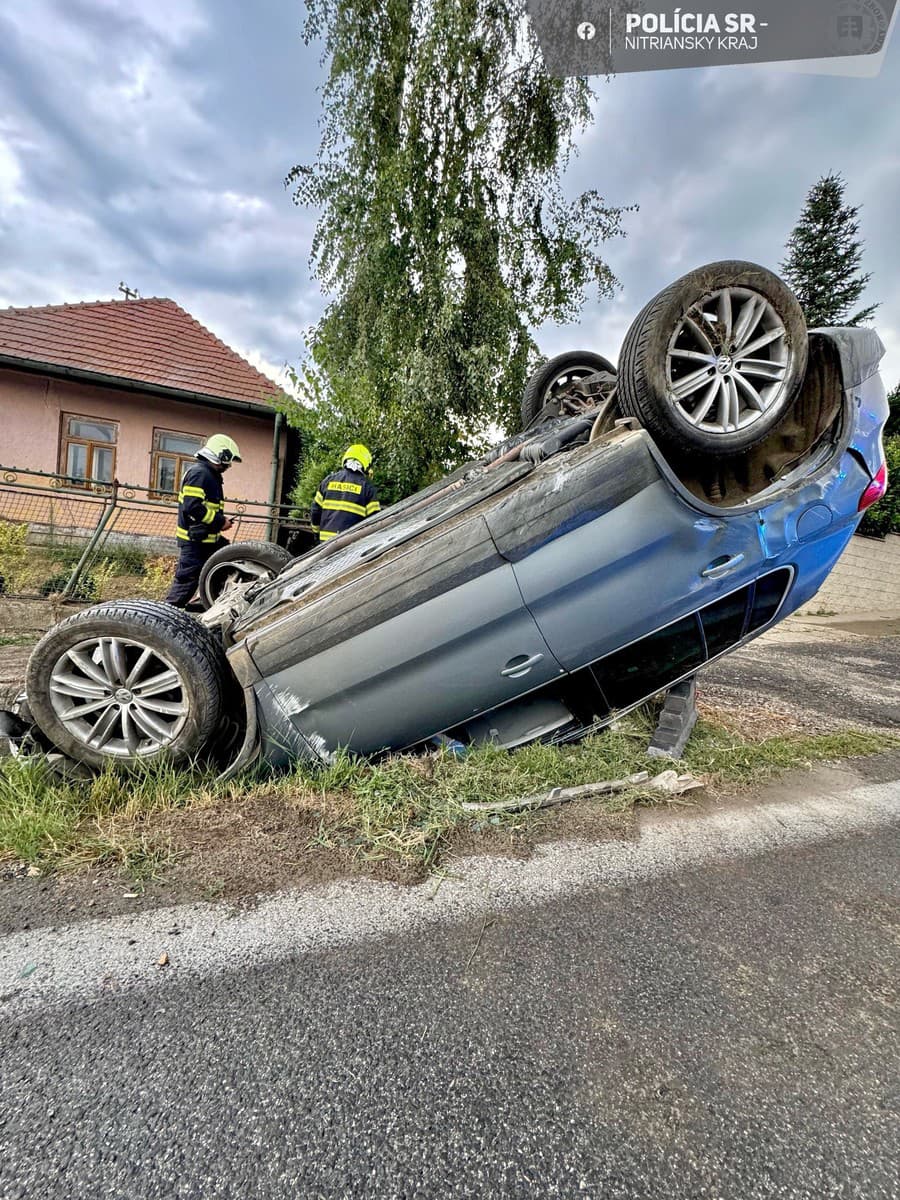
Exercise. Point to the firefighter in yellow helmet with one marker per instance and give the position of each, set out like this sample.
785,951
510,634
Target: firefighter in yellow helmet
346,496
201,515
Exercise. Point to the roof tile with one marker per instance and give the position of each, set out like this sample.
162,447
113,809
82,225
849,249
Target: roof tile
152,341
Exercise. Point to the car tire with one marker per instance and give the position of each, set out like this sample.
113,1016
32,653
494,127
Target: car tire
555,376
715,361
115,659
240,562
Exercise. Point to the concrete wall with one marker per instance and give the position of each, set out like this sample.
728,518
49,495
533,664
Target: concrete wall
866,579
30,415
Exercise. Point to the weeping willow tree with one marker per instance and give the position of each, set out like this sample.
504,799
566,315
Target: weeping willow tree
444,235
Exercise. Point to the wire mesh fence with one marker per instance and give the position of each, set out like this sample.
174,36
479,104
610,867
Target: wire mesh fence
90,539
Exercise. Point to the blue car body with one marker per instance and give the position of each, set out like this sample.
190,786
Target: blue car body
518,601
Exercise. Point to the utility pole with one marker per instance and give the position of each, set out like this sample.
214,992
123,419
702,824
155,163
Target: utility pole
127,292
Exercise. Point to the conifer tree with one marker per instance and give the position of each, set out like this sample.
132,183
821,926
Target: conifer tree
824,253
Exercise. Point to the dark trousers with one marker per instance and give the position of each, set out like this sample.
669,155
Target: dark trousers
191,558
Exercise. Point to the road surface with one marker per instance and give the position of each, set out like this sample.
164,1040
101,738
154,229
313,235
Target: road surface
709,1011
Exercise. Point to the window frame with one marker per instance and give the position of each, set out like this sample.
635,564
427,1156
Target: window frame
90,444
787,571
156,453
612,686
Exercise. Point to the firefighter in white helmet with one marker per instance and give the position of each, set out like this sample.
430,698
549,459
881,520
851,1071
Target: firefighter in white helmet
201,515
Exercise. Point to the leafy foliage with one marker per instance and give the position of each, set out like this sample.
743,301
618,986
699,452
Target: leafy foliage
892,428
13,553
823,257
444,234
884,517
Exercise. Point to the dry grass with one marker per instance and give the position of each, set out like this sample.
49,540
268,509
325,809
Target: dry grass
405,809
757,722
118,572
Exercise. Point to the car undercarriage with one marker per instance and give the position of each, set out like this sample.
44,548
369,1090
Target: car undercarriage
642,523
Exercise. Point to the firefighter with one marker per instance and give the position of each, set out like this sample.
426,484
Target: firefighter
346,496
201,516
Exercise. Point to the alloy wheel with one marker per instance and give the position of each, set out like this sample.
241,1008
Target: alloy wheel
728,361
118,696
226,574
563,381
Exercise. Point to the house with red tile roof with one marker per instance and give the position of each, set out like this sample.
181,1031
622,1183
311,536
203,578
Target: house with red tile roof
129,390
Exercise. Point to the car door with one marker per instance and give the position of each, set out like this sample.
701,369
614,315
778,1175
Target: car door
606,549
429,636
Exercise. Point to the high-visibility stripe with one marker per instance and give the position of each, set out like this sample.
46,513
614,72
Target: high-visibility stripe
319,498
199,500
338,485
348,506
372,507
184,536
324,535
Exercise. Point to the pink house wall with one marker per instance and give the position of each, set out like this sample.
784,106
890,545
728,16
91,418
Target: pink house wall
30,414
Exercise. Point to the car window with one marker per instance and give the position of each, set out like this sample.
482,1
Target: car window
723,622
650,664
768,596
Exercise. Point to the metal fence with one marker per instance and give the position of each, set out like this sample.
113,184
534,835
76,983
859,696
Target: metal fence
84,521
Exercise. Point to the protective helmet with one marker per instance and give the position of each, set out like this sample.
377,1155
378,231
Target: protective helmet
220,449
361,453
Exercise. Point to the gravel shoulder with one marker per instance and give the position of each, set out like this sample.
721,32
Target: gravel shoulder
250,852
825,673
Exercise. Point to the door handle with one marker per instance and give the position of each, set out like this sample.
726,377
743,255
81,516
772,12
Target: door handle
721,566
520,665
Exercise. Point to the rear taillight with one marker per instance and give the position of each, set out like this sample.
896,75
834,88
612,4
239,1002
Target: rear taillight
875,490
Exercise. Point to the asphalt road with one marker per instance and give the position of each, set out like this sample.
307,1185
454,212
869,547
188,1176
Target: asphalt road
837,680
674,1022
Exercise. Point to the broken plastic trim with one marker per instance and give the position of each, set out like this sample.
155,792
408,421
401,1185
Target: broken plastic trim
20,738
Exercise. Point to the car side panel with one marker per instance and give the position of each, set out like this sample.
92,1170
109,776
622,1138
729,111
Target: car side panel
608,552
872,409
413,647
860,351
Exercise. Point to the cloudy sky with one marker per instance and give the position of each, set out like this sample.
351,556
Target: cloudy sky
147,142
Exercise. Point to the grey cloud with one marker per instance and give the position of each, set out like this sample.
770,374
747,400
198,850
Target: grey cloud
159,156
153,141
720,162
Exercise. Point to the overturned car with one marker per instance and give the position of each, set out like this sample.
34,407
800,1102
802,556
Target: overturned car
644,523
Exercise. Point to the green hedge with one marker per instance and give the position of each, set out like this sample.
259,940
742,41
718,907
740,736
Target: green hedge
884,517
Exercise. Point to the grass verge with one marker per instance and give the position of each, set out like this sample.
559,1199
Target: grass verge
406,809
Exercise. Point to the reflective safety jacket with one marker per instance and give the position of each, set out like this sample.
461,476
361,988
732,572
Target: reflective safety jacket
343,498
201,504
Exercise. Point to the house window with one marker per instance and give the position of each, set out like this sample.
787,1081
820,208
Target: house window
88,448
173,453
